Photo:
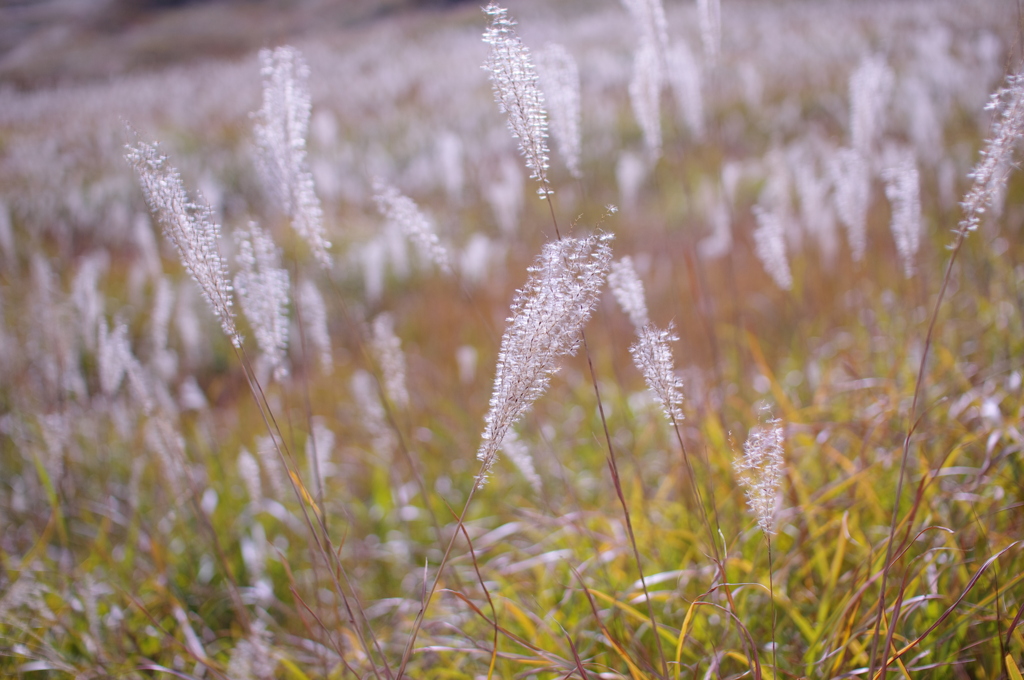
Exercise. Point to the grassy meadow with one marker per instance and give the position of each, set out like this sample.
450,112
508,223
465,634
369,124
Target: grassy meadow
787,181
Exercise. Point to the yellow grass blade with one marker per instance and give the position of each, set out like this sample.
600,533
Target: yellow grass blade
306,497
1012,669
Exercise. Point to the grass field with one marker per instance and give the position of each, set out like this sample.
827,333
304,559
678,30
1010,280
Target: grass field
816,472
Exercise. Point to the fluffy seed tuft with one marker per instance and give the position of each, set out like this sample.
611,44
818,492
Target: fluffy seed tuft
545,322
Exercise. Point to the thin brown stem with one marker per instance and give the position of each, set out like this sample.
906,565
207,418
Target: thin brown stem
775,615
957,244
613,467
437,579
330,559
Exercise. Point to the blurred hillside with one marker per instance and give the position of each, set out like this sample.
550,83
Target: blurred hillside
49,42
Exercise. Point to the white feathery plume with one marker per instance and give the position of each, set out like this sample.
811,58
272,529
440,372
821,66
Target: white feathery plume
813,190
191,228
86,296
629,291
560,78
253,657
266,451
313,312
709,16
163,439
684,75
505,195
262,287
514,79
372,413
903,189
249,471
870,90
451,165
716,211
651,24
280,132
320,449
650,62
770,246
160,313
851,181
760,470
630,172
387,350
111,355
116,361
6,234
991,172
652,354
645,94
403,212
519,454
545,323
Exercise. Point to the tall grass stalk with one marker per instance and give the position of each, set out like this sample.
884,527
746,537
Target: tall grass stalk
545,324
191,228
989,176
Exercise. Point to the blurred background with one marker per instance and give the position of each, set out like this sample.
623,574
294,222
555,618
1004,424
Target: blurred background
49,42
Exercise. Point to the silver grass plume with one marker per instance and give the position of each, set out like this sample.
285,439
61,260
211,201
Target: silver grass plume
651,24
645,94
313,313
164,360
403,212
870,90
112,355
249,471
320,449
650,63
684,75
270,461
903,189
372,414
851,179
760,470
280,132
86,296
253,657
770,246
262,287
514,80
990,174
387,350
653,356
519,453
544,324
560,78
629,291
709,16
165,441
191,228
116,361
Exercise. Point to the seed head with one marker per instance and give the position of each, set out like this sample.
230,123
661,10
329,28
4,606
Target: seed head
761,468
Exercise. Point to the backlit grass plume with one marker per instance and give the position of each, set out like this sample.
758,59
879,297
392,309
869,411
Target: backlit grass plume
561,80
653,356
546,318
760,470
414,223
515,89
990,174
190,227
280,131
262,286
629,291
